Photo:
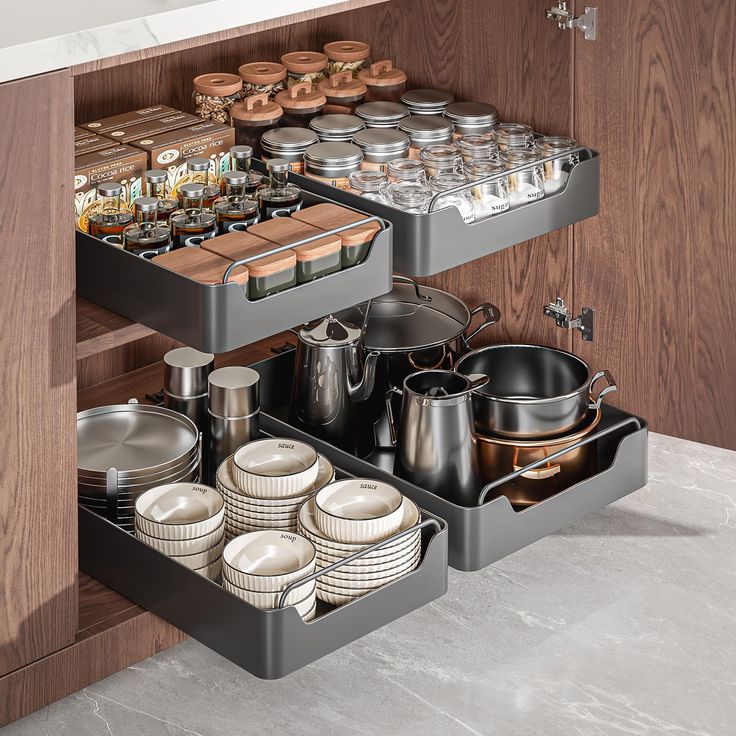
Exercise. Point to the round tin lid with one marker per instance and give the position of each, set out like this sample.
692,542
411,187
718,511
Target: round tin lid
240,153
109,189
233,178
378,140
218,85
337,124
289,140
427,127
304,62
472,113
155,176
146,204
382,111
342,85
333,154
301,96
382,74
347,50
329,332
427,98
186,371
262,72
256,108
198,164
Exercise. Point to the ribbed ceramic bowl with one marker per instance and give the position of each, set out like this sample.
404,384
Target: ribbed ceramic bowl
271,600
358,510
179,511
356,589
275,468
233,526
239,514
370,565
173,547
367,579
232,502
212,571
201,559
304,607
338,599
269,560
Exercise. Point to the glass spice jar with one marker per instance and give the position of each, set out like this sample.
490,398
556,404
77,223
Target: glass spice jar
288,144
407,169
300,103
382,114
156,180
526,185
472,118
427,101
514,137
252,118
557,171
332,163
304,66
351,56
215,94
146,237
410,196
262,78
380,146
343,93
111,214
336,127
234,208
383,82
477,148
200,171
370,184
489,197
443,158
426,130
240,160
462,199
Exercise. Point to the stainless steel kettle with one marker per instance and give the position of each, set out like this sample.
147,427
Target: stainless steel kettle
332,376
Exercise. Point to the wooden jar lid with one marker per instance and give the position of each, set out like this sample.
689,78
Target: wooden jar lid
287,230
382,74
304,62
256,108
236,245
218,85
347,50
301,96
327,216
262,72
200,265
342,84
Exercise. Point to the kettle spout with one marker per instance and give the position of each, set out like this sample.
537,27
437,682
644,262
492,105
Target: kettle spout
361,391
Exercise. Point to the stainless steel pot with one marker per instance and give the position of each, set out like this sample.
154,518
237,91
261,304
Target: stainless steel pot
533,391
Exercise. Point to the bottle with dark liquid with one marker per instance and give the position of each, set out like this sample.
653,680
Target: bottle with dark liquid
280,198
240,158
234,209
147,237
191,224
111,216
156,187
198,172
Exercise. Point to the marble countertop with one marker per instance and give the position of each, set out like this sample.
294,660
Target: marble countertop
619,625
53,34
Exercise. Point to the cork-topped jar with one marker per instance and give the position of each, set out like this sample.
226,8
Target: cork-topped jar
305,66
215,94
252,118
343,93
262,77
200,265
289,144
351,56
380,146
383,82
300,103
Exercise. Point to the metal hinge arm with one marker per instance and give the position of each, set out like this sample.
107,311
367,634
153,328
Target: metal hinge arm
563,317
587,22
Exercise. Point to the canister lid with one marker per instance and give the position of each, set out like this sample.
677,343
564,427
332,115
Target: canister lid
329,332
333,154
218,84
146,204
326,246
382,74
301,96
233,178
472,113
186,371
337,124
382,112
342,84
439,153
240,153
155,176
304,62
289,140
427,127
550,144
347,50
262,72
198,164
233,391
427,98
192,190
514,134
109,189
378,140
277,165
256,108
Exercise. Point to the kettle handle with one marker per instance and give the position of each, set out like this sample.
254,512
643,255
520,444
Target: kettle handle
390,412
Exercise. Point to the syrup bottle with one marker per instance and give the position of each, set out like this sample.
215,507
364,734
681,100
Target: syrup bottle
198,172
156,187
191,224
279,198
240,158
147,237
111,217
234,209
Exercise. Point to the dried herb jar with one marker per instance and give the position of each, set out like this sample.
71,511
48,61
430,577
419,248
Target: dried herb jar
383,82
350,56
304,66
262,78
380,146
343,93
336,127
514,137
472,118
489,197
215,94
426,130
406,169
382,114
332,163
301,103
557,171
477,148
427,101
462,200
252,118
443,158
288,144
526,185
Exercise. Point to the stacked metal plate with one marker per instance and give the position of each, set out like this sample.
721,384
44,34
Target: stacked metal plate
125,449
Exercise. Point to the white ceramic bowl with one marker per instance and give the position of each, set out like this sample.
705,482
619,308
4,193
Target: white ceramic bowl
231,502
275,468
201,559
367,579
179,511
267,561
357,589
303,607
371,565
270,600
237,512
213,571
173,547
243,527
358,510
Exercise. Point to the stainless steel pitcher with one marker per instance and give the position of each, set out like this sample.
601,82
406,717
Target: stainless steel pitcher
436,446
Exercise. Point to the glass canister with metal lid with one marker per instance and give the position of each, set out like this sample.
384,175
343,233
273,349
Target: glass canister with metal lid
215,94
252,118
336,127
382,114
462,199
332,163
410,196
477,148
426,130
514,137
304,66
234,207
370,184
380,146
262,77
343,93
288,144
240,160
526,185
406,169
350,56
427,101
301,103
384,82
489,197
443,158
472,118
557,171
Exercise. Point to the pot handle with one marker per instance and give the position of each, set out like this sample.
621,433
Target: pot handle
390,412
595,403
407,280
491,314
539,473
477,380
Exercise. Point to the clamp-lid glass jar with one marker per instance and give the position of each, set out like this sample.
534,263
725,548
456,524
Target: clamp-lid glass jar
252,118
426,130
489,197
289,144
461,199
410,196
343,93
526,185
382,114
383,82
336,127
514,137
557,171
262,77
477,148
379,146
300,103
304,66
443,158
407,169
370,184
215,94
427,101
332,163
472,118
351,56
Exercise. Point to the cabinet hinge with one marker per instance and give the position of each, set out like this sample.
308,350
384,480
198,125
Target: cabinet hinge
587,22
563,318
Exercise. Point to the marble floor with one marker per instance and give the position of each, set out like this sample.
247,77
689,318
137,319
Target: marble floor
622,624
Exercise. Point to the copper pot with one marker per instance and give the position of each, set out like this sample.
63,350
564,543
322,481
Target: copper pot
500,456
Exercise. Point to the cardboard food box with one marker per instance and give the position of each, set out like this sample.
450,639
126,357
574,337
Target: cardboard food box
127,119
148,128
91,143
122,164
81,133
172,150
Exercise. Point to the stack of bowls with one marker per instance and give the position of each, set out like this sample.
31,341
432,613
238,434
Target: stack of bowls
266,481
186,522
349,516
259,566
146,445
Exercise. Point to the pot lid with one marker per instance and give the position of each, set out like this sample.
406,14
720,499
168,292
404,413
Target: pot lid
329,332
427,98
381,140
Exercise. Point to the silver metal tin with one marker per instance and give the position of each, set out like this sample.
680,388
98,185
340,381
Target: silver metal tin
381,145
336,127
382,114
288,141
186,371
332,160
427,101
424,130
233,392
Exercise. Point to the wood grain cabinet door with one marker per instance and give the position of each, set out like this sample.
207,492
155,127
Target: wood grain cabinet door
38,519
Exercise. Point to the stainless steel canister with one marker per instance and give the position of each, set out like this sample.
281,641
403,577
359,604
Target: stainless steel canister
234,410
185,383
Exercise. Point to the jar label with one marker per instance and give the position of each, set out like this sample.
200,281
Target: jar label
341,183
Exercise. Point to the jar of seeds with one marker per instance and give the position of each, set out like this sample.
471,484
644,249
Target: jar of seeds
262,77
305,66
215,94
349,56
